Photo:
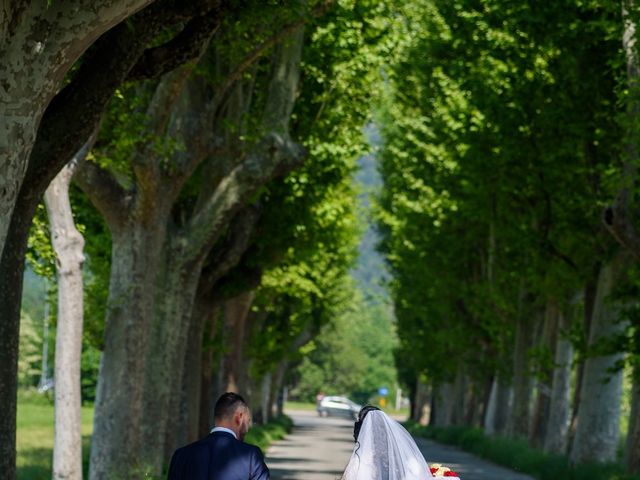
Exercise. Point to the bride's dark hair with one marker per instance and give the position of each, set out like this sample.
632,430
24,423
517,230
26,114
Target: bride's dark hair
358,425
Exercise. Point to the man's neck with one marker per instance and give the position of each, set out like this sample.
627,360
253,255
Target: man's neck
224,428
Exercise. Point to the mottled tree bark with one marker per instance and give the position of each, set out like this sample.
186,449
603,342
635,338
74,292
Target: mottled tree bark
632,450
38,45
39,42
541,408
236,311
205,416
43,41
192,378
556,439
498,407
597,432
459,397
520,411
422,403
137,220
443,405
68,245
276,390
589,303
117,440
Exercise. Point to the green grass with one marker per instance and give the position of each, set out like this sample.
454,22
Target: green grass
518,456
312,406
34,437
299,406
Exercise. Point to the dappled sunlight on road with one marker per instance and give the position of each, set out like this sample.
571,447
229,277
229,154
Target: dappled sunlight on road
319,449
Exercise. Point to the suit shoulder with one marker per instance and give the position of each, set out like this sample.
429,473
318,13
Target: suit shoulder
193,449
254,449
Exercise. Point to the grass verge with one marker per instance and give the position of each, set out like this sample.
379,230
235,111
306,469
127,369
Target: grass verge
265,435
300,406
34,436
518,456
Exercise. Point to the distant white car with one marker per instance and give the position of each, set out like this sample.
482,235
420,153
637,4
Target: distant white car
339,407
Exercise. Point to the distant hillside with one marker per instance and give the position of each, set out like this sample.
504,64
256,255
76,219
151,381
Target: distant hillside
370,271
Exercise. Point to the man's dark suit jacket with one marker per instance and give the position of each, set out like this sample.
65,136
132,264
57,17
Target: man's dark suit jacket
218,456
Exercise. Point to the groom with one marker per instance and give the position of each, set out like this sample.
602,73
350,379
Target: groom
222,455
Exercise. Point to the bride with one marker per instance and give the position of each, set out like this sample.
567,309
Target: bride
384,450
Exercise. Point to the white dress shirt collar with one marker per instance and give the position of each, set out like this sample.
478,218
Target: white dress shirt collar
223,429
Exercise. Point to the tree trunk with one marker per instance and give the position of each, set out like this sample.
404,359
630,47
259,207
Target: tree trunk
590,292
489,424
183,254
482,403
632,449
206,373
422,403
520,412
68,245
545,377
39,43
442,405
598,432
236,311
163,389
193,369
117,440
556,439
498,407
472,404
459,397
277,385
260,398
41,126
504,404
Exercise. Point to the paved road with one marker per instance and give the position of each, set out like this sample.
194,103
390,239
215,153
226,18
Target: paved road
319,448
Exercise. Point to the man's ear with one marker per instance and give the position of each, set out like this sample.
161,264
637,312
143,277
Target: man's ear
237,416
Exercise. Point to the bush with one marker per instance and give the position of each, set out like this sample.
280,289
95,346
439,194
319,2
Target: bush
518,456
263,435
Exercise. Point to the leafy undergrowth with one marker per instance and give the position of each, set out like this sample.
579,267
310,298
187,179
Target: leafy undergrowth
518,456
264,435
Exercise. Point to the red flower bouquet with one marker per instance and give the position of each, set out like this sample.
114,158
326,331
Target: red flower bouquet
438,470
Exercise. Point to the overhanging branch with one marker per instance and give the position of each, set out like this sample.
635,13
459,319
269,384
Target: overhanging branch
185,47
75,112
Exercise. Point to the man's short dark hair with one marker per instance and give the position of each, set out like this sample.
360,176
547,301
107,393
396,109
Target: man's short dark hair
227,404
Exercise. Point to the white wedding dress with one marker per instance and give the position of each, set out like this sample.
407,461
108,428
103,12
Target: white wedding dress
385,451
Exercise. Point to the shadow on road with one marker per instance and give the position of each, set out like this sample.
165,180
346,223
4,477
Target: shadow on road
319,449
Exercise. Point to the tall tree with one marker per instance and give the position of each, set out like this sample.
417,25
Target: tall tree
68,244
48,124
487,122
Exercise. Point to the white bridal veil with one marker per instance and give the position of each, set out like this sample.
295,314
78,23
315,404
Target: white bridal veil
385,451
